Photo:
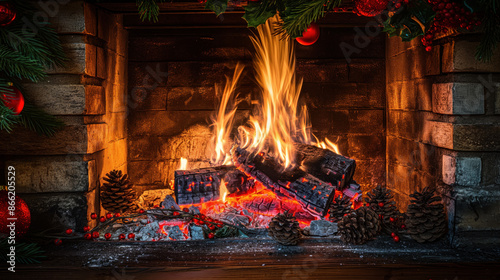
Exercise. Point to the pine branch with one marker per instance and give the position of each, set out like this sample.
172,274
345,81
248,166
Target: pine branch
491,36
37,120
16,65
299,14
149,9
26,253
7,118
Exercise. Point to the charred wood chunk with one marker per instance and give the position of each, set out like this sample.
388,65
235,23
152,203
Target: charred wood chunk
199,185
237,182
313,194
326,165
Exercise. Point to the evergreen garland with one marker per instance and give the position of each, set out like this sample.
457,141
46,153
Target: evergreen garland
26,253
26,54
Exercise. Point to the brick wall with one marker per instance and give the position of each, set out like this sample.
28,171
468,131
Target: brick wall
442,130
59,177
170,116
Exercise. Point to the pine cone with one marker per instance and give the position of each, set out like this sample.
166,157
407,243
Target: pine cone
426,218
381,200
117,194
285,229
359,226
340,207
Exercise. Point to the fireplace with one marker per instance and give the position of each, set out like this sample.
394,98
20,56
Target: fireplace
138,97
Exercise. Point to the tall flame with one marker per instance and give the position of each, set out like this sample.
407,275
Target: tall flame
183,164
277,122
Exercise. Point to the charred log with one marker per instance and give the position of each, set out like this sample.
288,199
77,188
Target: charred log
326,165
313,194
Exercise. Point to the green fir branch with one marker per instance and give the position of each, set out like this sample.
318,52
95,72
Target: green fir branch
26,253
7,118
491,36
37,120
299,14
16,65
149,9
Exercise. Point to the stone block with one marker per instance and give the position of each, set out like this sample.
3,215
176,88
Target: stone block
51,174
58,99
458,56
370,173
496,92
194,144
97,137
143,148
69,17
152,75
77,52
117,126
458,98
117,99
144,172
60,211
367,71
476,137
95,100
191,98
366,121
326,71
189,74
101,71
72,139
440,134
366,147
90,14
115,156
150,99
90,63
463,171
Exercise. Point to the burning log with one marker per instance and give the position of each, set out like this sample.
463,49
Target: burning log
326,165
313,194
203,185
199,185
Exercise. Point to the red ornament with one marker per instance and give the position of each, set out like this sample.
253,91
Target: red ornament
86,228
403,227
211,235
93,216
310,35
69,231
396,238
58,242
392,219
109,216
87,236
176,213
121,237
102,219
107,236
117,215
95,234
7,14
21,213
185,209
370,8
131,236
14,100
393,234
380,204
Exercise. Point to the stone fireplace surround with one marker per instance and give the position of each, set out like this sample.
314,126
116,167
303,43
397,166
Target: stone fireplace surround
136,96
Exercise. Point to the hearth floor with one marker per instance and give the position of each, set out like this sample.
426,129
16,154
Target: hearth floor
262,259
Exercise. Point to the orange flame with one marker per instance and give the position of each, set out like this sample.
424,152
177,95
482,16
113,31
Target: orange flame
183,164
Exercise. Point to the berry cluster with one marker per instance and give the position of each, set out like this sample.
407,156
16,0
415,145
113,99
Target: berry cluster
450,15
212,224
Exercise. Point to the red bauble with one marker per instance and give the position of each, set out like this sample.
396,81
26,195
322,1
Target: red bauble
13,101
131,236
93,216
21,214
109,216
86,228
370,8
141,211
7,14
380,204
396,238
102,219
310,35
117,214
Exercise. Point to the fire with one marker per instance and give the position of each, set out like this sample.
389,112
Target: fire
223,190
277,121
183,164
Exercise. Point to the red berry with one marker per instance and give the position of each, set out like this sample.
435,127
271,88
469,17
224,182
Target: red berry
58,242
393,234
87,236
211,235
156,206
117,214
396,238
397,6
176,213
141,211
368,204
102,219
107,235
428,48
109,216
86,228
185,209
69,231
380,204
131,236
392,219
93,216
121,237
380,216
95,234
403,226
